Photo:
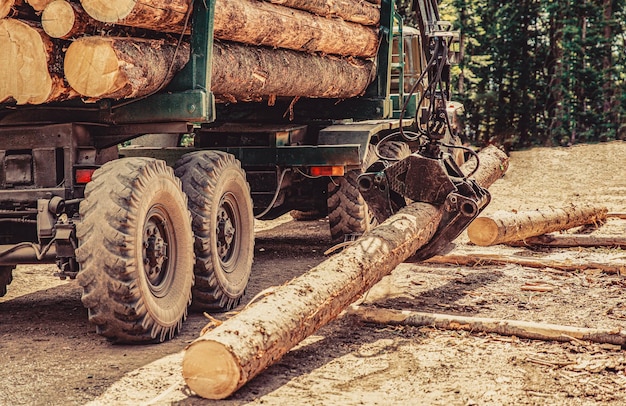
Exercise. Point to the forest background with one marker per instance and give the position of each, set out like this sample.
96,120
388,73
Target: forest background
540,72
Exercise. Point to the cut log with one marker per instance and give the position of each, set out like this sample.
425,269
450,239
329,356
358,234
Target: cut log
39,5
503,226
521,329
161,15
225,358
366,13
261,23
31,71
118,68
571,240
17,9
5,7
62,19
244,73
490,259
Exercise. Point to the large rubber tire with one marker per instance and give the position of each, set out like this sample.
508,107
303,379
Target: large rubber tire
223,225
348,213
6,277
135,251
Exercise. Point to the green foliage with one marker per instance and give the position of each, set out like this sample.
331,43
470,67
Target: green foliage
541,72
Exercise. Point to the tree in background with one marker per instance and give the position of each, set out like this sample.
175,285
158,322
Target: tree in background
541,72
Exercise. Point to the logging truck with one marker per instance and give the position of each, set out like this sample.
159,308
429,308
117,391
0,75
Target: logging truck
140,142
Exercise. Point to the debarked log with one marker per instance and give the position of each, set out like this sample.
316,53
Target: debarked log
477,259
32,71
225,358
118,68
356,11
503,226
572,240
261,23
521,329
245,73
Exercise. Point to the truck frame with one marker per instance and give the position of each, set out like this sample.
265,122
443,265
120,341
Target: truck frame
149,228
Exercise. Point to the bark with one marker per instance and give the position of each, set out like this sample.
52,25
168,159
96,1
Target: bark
118,68
573,240
243,73
62,19
502,227
31,70
261,23
617,215
366,13
521,329
161,15
488,259
225,358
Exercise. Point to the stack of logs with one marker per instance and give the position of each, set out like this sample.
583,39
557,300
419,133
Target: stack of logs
56,50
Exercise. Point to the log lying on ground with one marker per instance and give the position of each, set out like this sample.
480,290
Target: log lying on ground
490,259
521,329
243,73
350,10
224,359
160,15
261,23
62,19
31,72
118,68
571,240
505,226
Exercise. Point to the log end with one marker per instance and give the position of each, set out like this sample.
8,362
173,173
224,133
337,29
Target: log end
483,231
91,66
108,11
5,7
58,18
211,370
24,60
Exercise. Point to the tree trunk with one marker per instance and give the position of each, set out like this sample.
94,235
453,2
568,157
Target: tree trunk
503,227
160,15
521,329
488,259
118,68
31,71
224,359
261,23
366,13
243,73
62,19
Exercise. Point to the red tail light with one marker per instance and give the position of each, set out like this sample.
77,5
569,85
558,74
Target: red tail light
83,176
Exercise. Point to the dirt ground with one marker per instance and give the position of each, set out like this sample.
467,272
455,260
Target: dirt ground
50,355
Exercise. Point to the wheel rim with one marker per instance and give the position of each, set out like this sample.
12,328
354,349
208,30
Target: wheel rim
227,232
157,254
